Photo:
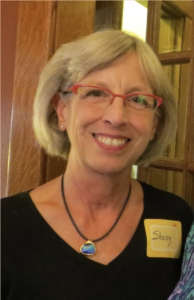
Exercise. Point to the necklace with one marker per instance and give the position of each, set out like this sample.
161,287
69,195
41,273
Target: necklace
89,248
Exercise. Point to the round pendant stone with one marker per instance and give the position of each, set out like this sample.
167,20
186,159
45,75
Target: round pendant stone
88,248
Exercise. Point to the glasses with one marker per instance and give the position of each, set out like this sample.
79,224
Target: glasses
103,98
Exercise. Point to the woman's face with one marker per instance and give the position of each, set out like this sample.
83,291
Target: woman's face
91,130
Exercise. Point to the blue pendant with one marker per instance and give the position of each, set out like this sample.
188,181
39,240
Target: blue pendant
88,248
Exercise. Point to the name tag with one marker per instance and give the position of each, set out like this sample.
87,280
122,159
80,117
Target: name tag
164,238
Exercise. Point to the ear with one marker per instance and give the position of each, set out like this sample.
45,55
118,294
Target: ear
60,108
154,127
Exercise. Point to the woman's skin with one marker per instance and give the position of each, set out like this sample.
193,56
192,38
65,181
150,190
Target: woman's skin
97,178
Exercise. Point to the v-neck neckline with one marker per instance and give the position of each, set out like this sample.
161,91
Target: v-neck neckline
63,248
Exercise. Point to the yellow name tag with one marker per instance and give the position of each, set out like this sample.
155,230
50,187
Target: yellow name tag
164,238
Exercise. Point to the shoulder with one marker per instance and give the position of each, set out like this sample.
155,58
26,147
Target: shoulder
15,203
17,219
163,198
14,210
191,234
189,247
166,205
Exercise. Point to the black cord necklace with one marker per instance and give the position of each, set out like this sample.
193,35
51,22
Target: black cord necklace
89,248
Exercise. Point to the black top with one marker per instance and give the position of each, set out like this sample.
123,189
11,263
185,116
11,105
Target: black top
38,265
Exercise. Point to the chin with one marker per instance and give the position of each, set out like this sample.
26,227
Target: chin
112,168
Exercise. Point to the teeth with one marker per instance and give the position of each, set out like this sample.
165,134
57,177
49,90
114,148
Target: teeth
108,142
111,142
116,142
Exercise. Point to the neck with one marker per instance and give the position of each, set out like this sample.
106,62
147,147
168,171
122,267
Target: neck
96,190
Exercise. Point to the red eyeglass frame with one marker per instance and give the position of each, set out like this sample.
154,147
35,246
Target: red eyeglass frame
75,87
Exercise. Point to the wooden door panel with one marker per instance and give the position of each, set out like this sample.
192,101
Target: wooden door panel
32,50
42,27
173,40
9,19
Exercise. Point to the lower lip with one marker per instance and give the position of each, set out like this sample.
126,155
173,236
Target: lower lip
109,147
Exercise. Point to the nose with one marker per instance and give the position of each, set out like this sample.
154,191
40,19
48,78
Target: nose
116,112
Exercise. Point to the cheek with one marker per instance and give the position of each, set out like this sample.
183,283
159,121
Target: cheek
143,124
81,115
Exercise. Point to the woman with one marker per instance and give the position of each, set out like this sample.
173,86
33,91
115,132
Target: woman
185,287
104,103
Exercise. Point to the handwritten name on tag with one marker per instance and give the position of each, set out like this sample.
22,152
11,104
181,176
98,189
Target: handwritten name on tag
164,238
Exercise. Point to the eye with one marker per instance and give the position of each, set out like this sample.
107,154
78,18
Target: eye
95,93
64,93
141,101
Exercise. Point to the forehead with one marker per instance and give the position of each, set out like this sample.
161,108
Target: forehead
124,72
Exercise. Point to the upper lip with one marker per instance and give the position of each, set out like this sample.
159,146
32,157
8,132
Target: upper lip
111,136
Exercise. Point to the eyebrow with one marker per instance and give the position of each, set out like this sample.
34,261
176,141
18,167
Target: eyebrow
99,84
135,89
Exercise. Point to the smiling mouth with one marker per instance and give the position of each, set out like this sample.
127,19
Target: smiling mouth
111,141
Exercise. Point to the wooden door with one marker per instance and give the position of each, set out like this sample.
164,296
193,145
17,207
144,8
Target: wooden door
42,27
170,32
9,19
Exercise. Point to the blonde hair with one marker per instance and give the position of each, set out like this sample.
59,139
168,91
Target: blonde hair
73,61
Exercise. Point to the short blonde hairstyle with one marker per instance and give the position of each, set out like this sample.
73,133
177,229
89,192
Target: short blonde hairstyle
75,60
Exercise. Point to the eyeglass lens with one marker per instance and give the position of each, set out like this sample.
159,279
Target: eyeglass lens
103,98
